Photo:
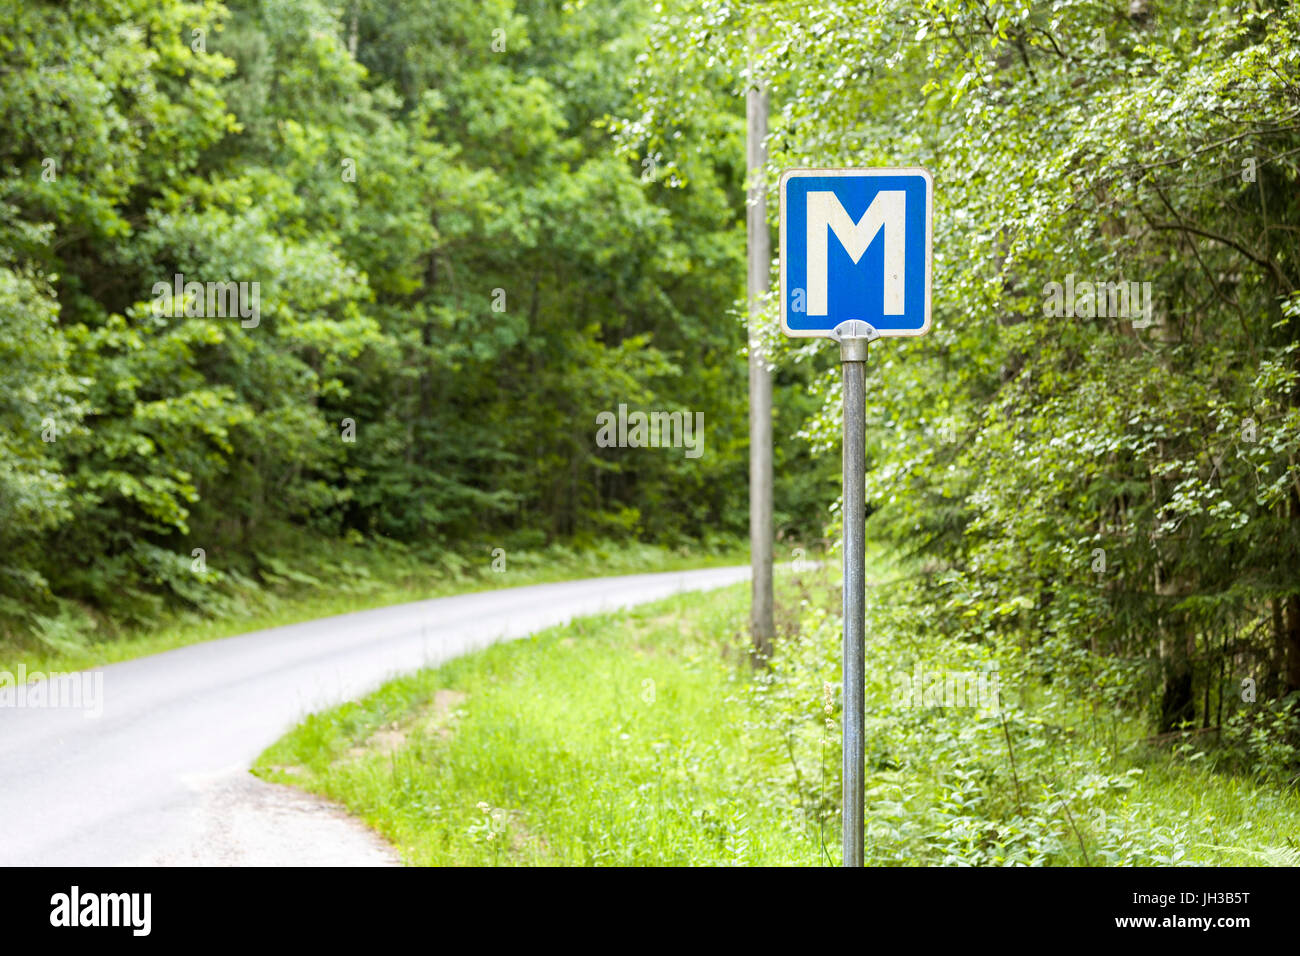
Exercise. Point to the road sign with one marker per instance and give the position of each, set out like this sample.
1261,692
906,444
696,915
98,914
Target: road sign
855,266
855,245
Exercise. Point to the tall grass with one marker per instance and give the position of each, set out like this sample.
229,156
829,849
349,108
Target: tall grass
622,739
648,738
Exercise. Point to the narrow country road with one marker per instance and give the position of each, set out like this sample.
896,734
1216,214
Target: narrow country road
160,777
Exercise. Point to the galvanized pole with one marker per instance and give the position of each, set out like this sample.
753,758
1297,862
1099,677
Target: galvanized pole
762,628
853,338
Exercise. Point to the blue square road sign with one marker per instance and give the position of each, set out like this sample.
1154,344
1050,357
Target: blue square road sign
856,244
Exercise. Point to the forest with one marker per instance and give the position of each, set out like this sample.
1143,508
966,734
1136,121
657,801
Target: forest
457,268
441,245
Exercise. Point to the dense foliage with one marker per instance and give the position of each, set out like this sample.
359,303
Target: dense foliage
456,272
476,226
1113,497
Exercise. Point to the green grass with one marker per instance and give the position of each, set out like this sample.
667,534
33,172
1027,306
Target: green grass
622,740
643,738
348,578
1218,819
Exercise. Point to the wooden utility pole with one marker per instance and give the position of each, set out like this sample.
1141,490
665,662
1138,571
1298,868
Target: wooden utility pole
760,378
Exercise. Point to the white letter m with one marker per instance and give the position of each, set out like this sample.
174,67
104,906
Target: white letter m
887,211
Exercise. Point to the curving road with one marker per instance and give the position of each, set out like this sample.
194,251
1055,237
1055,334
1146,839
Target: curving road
160,777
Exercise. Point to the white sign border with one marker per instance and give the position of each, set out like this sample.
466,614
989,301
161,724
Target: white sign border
803,172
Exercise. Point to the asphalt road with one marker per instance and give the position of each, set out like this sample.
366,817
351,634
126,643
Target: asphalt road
160,776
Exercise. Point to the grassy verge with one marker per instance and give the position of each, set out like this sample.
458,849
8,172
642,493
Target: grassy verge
645,738
347,578
620,739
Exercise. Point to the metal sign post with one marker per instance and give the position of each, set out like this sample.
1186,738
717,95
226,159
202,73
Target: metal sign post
853,338
872,281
